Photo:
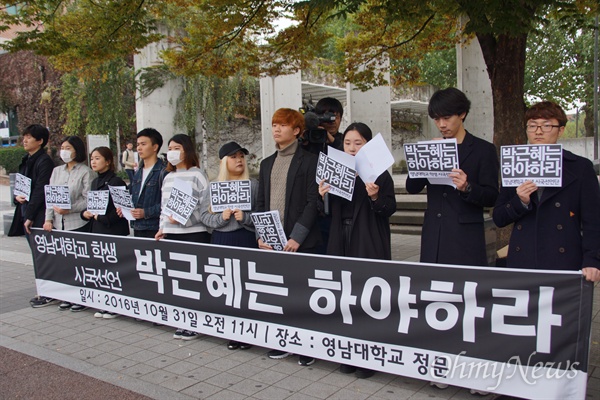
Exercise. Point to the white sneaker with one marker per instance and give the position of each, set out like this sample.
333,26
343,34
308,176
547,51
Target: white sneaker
438,385
110,315
99,314
478,392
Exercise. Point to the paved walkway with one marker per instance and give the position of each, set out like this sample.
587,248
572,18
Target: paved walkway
52,354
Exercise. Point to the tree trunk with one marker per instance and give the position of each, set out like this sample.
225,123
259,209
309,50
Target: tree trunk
507,76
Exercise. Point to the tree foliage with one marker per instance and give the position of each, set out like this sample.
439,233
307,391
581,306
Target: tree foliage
223,37
99,100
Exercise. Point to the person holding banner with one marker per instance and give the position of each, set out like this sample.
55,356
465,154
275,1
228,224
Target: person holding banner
147,184
453,231
78,177
30,212
184,176
102,162
360,227
109,223
232,227
183,167
287,184
555,228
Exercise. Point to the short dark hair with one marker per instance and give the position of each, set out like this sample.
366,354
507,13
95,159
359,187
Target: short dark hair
546,110
79,146
107,154
38,132
154,135
329,104
361,128
447,102
191,158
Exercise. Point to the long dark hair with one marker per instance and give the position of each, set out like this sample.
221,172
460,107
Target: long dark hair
190,158
361,128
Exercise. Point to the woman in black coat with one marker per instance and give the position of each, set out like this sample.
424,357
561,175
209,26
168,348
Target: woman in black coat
110,223
360,227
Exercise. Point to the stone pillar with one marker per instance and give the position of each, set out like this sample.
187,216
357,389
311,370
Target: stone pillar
158,109
473,80
277,92
372,108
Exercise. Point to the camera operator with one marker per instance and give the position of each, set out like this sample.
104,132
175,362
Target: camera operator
322,130
322,126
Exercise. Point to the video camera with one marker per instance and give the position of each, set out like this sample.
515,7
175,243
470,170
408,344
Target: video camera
313,133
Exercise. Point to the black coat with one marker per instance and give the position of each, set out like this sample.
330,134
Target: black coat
39,168
562,229
370,230
453,230
300,198
109,223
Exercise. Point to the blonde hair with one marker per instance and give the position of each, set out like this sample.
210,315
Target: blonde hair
224,172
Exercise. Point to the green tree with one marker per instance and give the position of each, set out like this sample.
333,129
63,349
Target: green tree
223,37
560,66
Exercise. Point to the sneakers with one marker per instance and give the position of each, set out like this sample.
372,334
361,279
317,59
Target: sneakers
41,301
438,385
99,314
64,306
278,354
178,333
245,346
305,361
77,308
478,392
189,335
108,315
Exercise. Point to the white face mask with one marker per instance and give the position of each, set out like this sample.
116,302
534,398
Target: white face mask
66,156
174,156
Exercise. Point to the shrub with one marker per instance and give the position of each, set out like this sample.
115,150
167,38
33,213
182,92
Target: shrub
10,158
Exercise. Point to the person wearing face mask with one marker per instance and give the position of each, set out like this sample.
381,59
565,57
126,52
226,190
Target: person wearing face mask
232,227
183,165
78,177
360,227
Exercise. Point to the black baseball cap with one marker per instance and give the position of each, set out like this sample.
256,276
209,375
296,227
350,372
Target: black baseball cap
230,148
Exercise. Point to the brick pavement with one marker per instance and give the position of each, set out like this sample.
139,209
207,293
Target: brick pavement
145,359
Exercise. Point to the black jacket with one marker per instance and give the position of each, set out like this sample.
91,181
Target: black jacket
370,230
562,229
453,230
109,223
299,222
38,167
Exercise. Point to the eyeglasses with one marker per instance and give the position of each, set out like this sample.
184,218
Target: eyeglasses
546,128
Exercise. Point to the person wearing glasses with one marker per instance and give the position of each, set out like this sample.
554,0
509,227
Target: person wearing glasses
555,228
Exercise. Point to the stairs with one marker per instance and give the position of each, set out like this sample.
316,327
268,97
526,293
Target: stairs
410,211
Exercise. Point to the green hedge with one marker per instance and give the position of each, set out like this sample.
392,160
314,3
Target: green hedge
10,158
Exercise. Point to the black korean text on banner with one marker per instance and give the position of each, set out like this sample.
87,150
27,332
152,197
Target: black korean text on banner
518,332
57,195
338,176
431,159
539,163
97,201
22,186
230,195
269,228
